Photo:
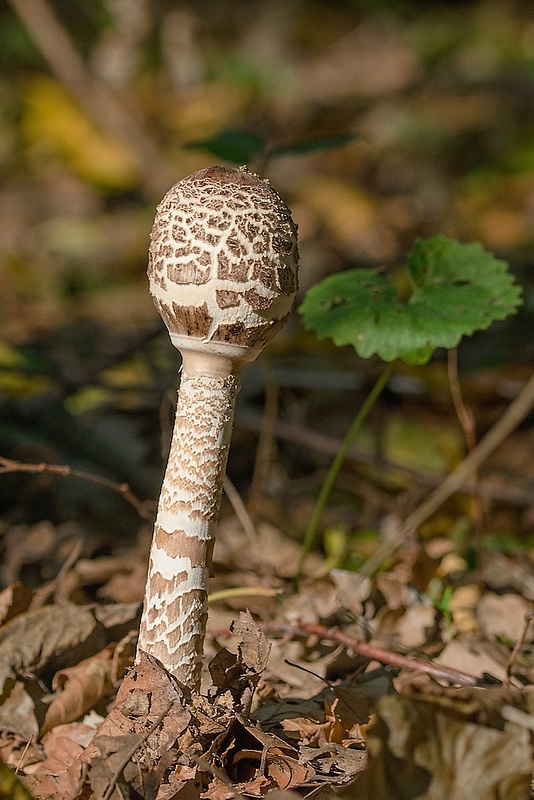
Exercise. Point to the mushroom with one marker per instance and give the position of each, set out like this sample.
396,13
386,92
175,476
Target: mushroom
223,274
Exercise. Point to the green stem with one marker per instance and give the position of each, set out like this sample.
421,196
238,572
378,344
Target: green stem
337,463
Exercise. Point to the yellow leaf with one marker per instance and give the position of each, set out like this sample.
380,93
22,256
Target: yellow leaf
347,212
52,118
9,355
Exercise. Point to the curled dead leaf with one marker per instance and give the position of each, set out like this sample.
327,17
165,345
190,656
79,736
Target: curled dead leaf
80,688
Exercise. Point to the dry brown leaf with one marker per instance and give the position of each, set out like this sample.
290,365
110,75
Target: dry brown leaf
239,674
59,635
31,639
421,750
413,629
27,545
145,698
81,687
316,600
126,587
469,656
502,615
253,647
326,726
118,766
17,712
343,721
18,752
14,600
123,577
59,775
251,748
354,589
334,760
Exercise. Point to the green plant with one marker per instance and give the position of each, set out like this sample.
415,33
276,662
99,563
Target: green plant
456,289
243,147
443,605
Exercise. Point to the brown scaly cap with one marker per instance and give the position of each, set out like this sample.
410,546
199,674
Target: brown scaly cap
223,259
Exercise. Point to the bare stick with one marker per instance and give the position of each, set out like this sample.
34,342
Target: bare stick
144,508
241,512
529,616
374,653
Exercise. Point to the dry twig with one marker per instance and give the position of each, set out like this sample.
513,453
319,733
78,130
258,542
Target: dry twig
375,653
145,508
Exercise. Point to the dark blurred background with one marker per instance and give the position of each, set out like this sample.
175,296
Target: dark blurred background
377,121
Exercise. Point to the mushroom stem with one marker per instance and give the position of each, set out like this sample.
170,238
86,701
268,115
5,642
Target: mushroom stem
173,626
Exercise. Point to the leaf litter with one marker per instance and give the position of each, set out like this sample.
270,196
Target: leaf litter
346,687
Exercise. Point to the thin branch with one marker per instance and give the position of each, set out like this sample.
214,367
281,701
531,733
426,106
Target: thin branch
529,616
145,508
240,511
374,653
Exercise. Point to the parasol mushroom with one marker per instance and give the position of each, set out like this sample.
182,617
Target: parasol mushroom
223,275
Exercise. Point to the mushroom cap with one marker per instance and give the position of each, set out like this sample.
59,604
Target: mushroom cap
223,262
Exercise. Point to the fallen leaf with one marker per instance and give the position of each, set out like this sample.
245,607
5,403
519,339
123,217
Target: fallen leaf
58,635
469,656
14,600
17,712
31,639
418,750
502,615
81,687
239,673
59,775
253,647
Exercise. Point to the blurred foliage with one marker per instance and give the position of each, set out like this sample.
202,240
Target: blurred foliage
378,122
421,112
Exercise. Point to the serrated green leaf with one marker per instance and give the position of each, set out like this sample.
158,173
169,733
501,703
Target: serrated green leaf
231,145
457,290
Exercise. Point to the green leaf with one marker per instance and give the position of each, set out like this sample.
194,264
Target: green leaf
240,147
231,145
317,143
457,289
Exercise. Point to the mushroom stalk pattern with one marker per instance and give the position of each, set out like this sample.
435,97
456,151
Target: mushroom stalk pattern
223,274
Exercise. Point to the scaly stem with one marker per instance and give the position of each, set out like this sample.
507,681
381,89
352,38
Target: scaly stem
175,611
337,463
